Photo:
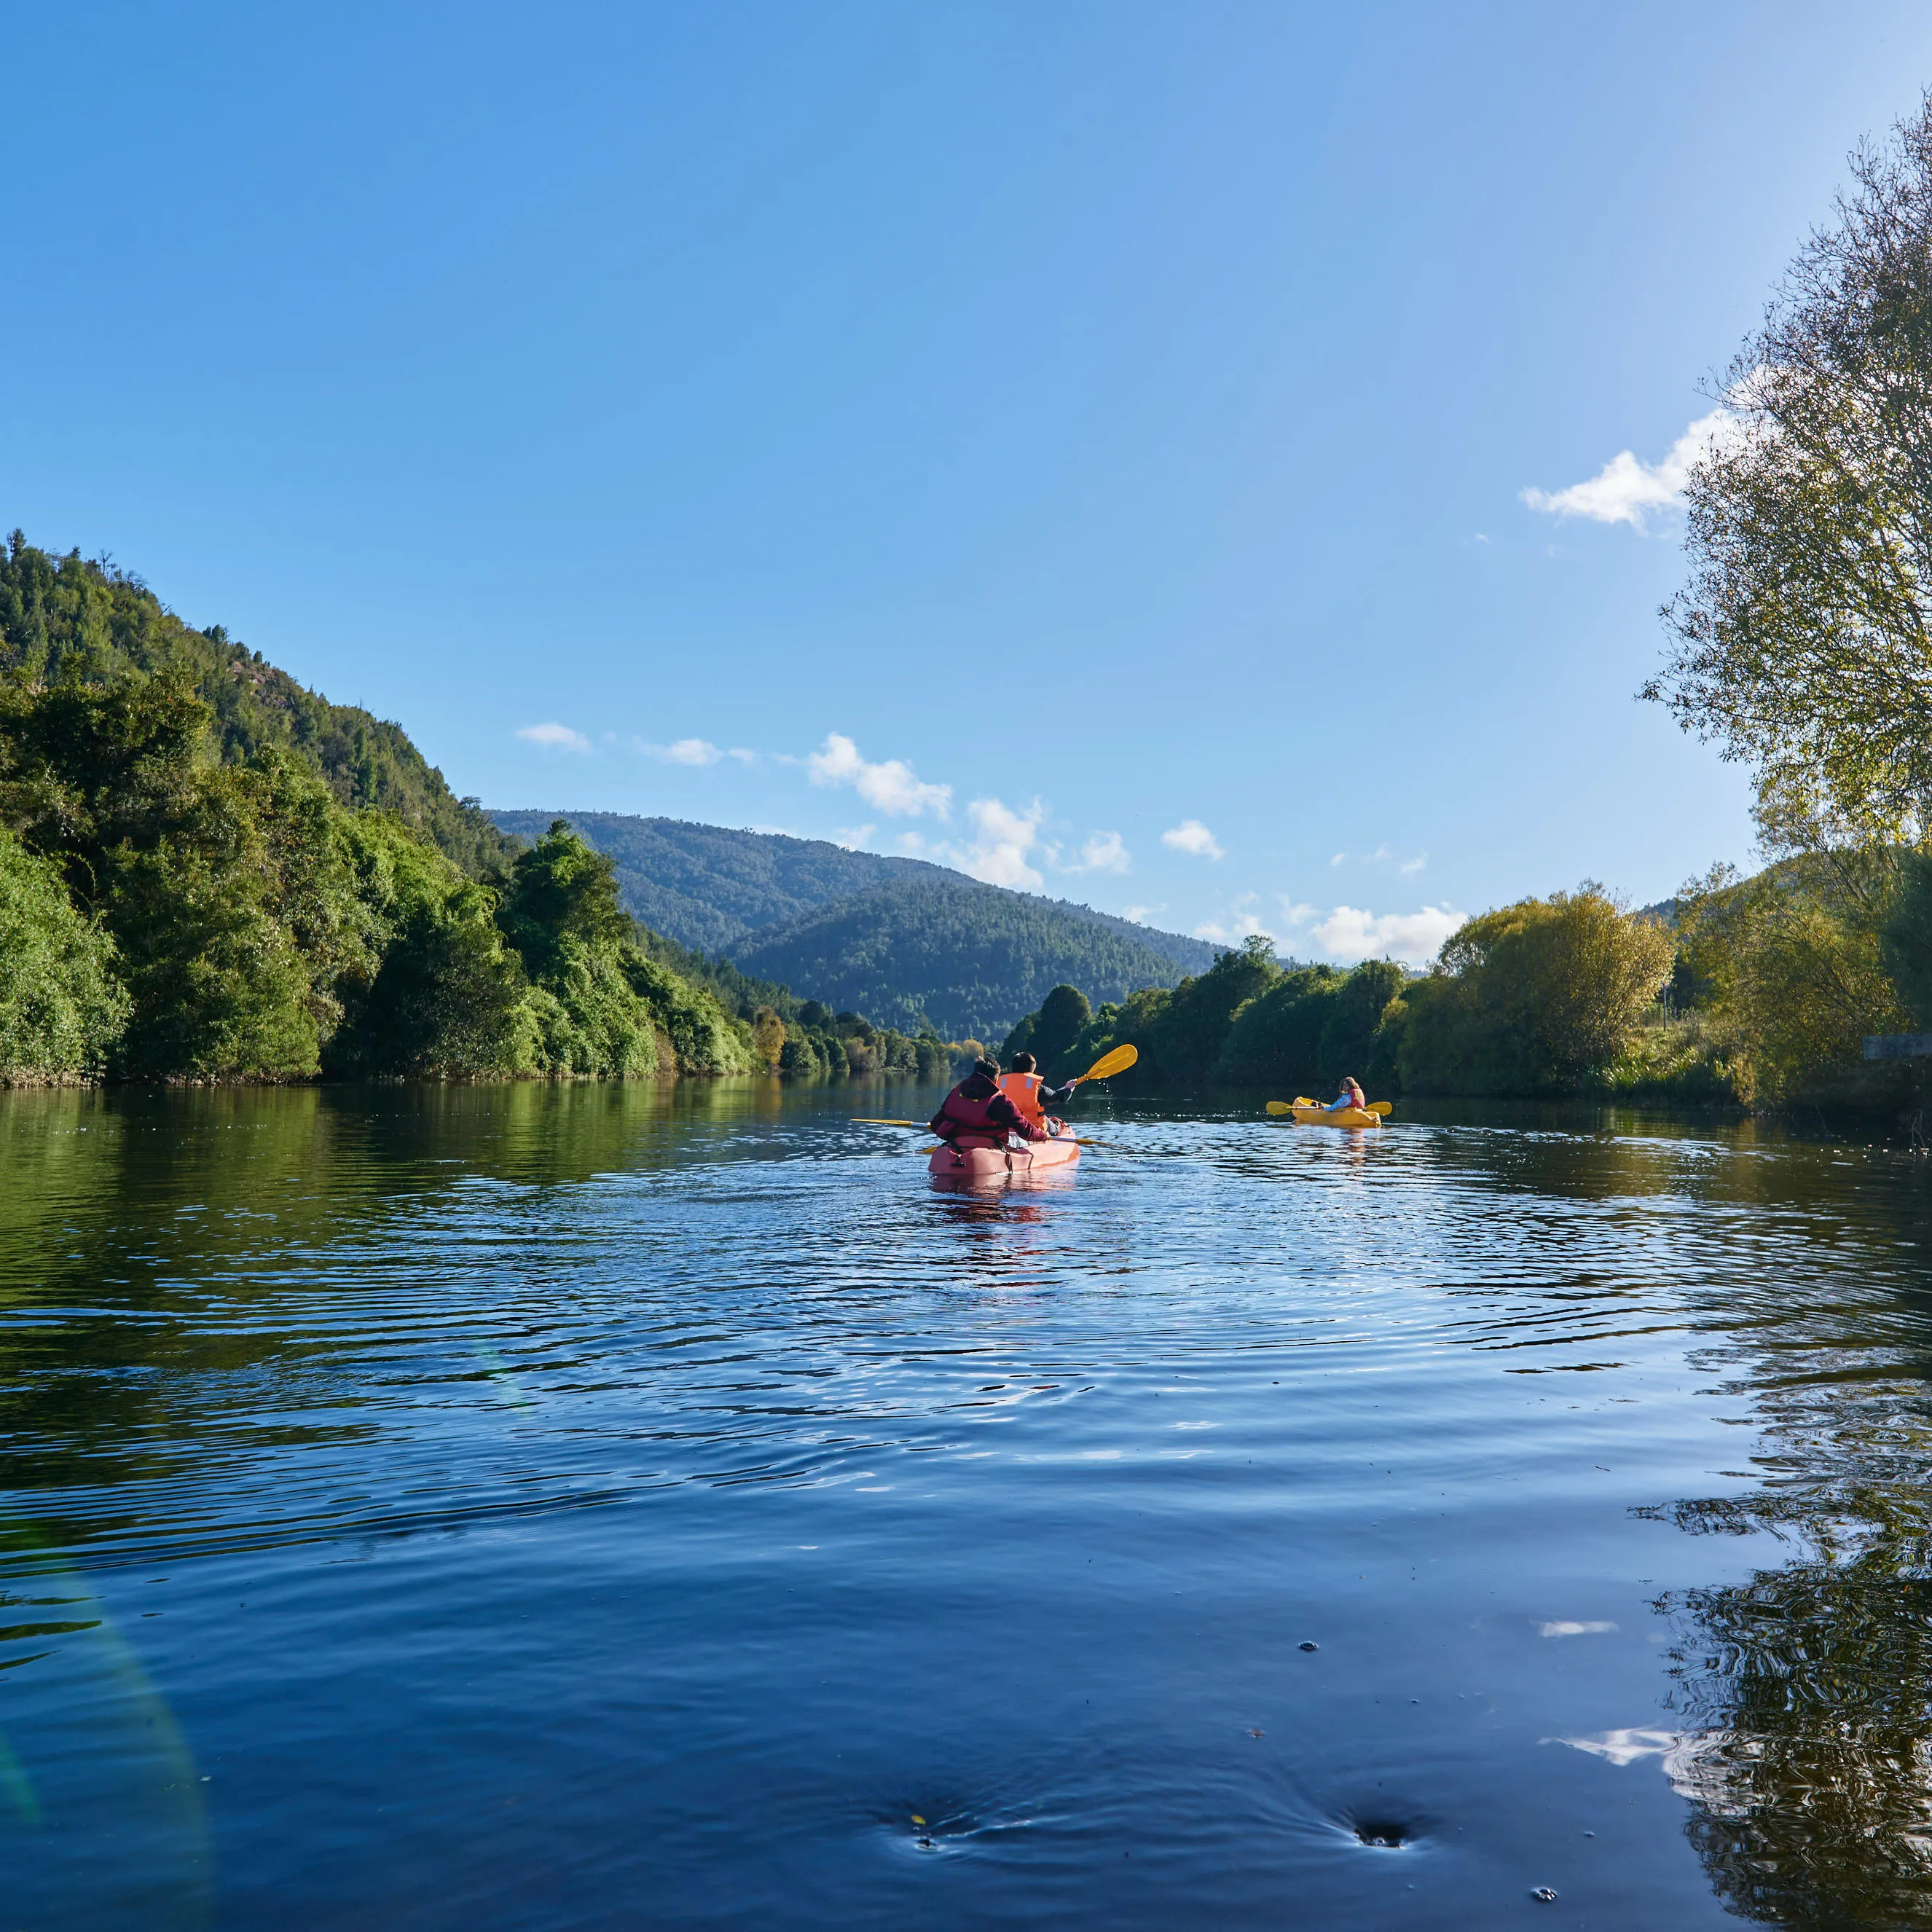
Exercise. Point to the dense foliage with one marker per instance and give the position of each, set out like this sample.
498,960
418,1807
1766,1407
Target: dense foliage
1533,998
60,1007
69,620
901,939
1245,1021
170,911
1539,997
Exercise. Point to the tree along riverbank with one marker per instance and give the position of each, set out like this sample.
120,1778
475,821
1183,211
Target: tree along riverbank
1744,993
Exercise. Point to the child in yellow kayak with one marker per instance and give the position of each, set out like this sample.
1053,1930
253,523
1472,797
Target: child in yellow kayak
1350,1095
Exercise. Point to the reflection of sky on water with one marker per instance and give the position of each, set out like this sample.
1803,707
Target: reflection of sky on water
684,1456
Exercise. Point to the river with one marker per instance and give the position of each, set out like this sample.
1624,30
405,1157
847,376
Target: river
543,1507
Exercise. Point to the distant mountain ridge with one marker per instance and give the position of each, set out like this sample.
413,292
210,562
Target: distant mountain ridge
899,940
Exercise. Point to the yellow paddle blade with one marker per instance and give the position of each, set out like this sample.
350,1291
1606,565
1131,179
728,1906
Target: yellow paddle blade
1118,1061
1280,1107
1382,1107
857,1123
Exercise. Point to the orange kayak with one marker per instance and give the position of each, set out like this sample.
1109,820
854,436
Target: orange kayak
996,1163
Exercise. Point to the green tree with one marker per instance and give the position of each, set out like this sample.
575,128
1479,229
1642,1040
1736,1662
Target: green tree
1803,638
61,1007
1058,1024
768,1037
1796,959
1532,997
448,996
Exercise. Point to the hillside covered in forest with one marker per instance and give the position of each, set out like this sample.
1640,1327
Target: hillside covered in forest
70,617
208,874
901,940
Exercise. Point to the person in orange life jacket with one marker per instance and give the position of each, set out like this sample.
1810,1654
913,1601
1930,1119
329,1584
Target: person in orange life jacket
975,1114
1350,1095
1031,1095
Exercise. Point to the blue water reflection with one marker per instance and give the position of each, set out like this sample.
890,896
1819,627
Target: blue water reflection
546,1507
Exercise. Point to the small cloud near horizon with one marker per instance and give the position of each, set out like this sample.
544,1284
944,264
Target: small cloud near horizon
554,737
1190,835
1350,933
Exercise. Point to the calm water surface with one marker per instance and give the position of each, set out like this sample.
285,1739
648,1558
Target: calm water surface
532,1507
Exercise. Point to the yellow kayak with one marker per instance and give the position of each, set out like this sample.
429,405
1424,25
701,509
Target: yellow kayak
1308,1114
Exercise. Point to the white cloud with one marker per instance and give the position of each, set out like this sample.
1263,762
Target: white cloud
1410,867
1104,852
1191,835
743,757
890,787
1294,912
1338,858
1349,933
1221,935
688,751
1002,838
998,853
1626,491
555,737
1138,914
853,836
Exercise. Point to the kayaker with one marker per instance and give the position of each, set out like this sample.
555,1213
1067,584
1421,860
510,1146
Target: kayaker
1350,1095
1031,1095
975,1114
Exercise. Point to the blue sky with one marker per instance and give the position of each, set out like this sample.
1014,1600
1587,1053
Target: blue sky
1084,443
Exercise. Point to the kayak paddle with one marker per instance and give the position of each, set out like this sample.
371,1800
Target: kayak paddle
1118,1061
888,1123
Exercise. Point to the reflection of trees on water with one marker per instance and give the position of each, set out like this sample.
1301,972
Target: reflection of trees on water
1803,1698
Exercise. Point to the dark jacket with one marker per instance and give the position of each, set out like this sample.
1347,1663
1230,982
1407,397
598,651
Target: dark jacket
1056,1096
977,1111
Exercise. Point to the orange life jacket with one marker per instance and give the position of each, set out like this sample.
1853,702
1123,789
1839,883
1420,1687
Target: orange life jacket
1023,1089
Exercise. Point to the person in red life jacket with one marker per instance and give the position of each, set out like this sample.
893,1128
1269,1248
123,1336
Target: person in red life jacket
1031,1096
975,1114
1350,1098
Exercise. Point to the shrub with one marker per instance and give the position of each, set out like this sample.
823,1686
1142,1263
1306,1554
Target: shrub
61,1006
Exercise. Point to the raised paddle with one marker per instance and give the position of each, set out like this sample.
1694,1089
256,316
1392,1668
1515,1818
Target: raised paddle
888,1123
1108,1064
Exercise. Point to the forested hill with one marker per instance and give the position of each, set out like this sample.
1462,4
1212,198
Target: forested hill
899,940
67,616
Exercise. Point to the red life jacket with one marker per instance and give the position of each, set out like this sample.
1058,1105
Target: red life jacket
1023,1090
971,1121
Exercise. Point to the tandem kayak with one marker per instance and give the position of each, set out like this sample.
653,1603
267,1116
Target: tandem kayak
1344,1116
996,1163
